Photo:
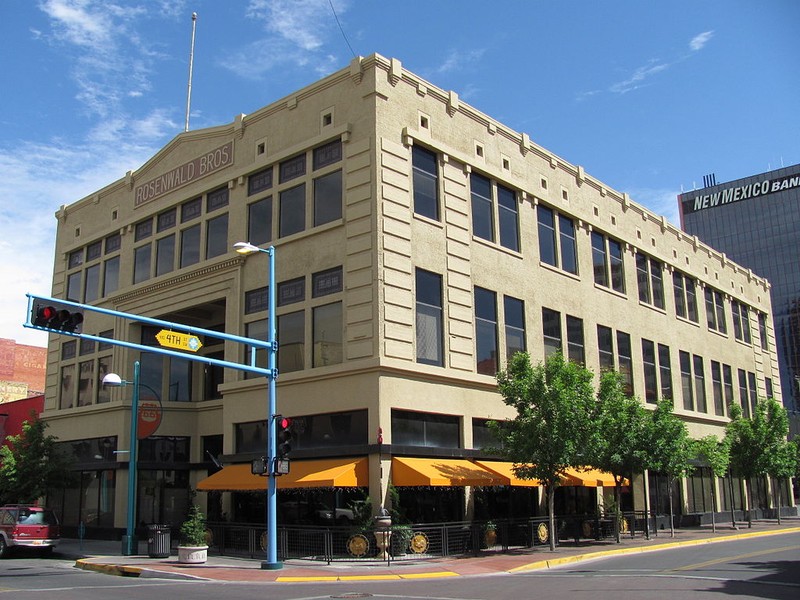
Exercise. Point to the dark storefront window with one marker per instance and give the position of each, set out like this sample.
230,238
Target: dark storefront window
425,429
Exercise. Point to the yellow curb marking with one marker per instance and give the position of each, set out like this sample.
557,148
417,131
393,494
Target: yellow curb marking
429,575
592,555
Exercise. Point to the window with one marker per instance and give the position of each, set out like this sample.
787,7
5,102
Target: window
762,329
650,371
715,311
327,331
768,386
191,210
624,356
557,240
727,385
165,255
75,259
744,396
94,251
429,318
651,284
605,346
256,300
741,322
514,314
259,221
326,282
86,383
74,286
92,284
113,243
665,370
486,331
426,182
68,387
143,230
328,154
291,292
292,210
482,213
292,168
110,276
551,332
700,385
166,220
575,345
508,218
751,380
716,388
425,429
260,181
141,263
686,380
217,199
607,262
190,246
217,236
256,330
685,297
291,334
328,198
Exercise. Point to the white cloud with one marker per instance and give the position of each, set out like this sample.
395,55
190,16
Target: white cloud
459,59
639,76
700,40
660,201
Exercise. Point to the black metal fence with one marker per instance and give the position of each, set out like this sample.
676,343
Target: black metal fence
420,541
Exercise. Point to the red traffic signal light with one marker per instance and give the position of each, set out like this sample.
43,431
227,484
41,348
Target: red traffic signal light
283,432
56,319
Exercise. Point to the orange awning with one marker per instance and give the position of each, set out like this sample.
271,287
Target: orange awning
506,470
328,472
441,472
590,478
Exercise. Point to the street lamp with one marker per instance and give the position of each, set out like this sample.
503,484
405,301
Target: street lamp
114,380
271,562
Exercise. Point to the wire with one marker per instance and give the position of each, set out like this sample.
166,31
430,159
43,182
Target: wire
335,16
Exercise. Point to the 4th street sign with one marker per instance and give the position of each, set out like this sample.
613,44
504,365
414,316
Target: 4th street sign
182,341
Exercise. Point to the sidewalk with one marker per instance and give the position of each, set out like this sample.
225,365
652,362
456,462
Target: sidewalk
105,556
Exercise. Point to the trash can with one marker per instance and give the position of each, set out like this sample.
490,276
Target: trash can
159,540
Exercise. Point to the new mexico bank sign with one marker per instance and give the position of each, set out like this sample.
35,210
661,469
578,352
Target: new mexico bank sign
741,192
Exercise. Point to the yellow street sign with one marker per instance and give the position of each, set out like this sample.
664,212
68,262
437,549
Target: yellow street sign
182,341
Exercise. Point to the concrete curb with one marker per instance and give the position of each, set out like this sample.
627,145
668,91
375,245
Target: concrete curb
556,562
132,571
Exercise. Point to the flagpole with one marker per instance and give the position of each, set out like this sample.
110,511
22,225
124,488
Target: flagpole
191,63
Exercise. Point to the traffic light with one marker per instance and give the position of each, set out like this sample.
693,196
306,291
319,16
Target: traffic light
283,431
56,319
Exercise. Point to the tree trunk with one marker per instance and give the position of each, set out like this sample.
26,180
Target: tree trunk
670,481
618,516
733,506
776,494
714,505
551,507
749,503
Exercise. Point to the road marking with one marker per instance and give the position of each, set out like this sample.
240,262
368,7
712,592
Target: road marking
718,561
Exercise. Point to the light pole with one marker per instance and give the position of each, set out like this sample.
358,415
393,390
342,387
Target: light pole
271,562
114,380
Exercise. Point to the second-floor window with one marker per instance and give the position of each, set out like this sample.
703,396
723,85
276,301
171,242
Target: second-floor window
483,193
608,262
557,240
426,182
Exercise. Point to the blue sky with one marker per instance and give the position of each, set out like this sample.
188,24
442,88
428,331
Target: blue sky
647,96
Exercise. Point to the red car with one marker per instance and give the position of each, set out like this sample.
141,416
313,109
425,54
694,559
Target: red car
26,526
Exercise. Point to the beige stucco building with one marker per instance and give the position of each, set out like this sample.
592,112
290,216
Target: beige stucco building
418,243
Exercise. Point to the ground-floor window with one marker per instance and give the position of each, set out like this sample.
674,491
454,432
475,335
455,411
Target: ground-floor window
163,496
506,502
88,501
432,505
660,493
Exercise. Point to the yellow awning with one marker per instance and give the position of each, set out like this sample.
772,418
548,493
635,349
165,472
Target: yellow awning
329,472
506,470
441,472
590,478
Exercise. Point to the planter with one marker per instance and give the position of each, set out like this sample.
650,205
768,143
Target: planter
192,555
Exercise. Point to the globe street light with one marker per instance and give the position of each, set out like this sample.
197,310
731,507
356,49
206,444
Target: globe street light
271,562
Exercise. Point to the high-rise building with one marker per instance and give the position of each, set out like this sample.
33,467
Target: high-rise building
419,243
755,221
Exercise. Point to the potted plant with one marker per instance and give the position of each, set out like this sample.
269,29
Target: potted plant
490,534
193,548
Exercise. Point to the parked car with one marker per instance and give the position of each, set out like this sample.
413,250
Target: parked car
26,526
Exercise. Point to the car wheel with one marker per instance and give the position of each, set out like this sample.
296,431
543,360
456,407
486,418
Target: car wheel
3,547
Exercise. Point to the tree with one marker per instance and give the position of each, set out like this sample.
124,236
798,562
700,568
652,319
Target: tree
550,432
31,464
670,448
758,445
619,436
716,455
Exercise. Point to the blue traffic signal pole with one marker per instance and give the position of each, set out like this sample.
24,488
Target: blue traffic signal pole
132,463
271,562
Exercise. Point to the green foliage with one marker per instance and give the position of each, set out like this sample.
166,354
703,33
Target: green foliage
552,428
669,445
621,430
714,453
758,445
31,464
193,529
